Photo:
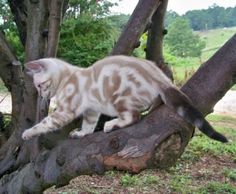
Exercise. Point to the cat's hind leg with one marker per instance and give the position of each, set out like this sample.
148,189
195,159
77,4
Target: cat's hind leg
90,119
124,119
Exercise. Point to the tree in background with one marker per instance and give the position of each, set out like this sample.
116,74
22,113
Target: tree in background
211,18
86,32
86,39
181,41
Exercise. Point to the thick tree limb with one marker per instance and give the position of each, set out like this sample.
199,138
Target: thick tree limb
55,17
135,27
154,50
156,141
11,74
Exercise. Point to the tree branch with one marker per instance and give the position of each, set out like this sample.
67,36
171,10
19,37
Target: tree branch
11,75
135,27
154,50
55,17
19,11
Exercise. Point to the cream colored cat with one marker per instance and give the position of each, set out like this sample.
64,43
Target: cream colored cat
118,86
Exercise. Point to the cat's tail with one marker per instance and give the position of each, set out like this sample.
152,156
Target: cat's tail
178,101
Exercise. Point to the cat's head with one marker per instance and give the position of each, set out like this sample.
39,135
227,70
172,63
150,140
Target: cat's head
44,72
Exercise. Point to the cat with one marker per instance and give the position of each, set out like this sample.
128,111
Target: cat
117,86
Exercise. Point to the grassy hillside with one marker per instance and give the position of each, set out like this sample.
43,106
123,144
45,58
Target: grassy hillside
183,68
215,39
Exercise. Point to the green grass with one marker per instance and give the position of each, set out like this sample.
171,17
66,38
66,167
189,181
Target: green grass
201,144
217,188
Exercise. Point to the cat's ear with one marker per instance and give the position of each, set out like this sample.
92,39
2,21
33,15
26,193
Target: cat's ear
33,67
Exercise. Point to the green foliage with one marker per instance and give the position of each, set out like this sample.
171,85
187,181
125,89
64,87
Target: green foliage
181,40
15,43
86,39
8,27
6,20
3,89
217,188
86,34
170,17
93,7
118,21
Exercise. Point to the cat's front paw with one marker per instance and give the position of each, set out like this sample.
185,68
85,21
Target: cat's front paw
27,134
109,125
77,134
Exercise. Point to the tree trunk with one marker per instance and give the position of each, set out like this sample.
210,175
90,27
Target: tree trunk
156,32
15,152
11,75
156,141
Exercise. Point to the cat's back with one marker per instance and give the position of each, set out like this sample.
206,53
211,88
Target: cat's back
129,65
120,60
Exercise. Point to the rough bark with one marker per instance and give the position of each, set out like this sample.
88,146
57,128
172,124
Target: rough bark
55,17
156,141
135,27
11,75
156,32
